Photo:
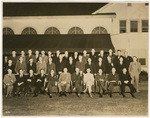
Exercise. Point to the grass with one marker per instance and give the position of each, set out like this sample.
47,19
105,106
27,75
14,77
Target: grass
72,105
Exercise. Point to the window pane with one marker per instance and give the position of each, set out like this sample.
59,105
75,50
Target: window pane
122,26
142,61
144,25
133,26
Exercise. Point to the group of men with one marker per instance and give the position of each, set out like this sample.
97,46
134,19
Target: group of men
78,73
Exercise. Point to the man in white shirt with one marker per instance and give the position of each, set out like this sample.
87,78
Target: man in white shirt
88,80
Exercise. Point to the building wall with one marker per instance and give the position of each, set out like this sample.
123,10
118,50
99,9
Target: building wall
63,23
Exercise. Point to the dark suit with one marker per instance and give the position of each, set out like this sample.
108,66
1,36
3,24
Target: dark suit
71,67
31,67
102,66
60,66
91,66
30,57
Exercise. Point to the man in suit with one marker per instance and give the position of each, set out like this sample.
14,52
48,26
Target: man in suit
120,66
103,56
41,65
9,80
40,83
100,65
93,56
71,66
30,82
20,83
30,56
113,80
76,82
126,81
10,66
13,57
60,65
31,65
84,57
52,81
51,66
127,60
135,70
100,80
44,57
21,65
56,57
80,64
66,58
64,80
90,65
75,57
37,55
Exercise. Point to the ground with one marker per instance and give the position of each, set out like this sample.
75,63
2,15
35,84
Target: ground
72,105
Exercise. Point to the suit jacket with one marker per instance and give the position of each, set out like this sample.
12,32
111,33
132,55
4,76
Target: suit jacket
114,77
60,66
108,67
135,68
31,67
30,57
40,66
127,61
84,59
40,79
20,79
9,80
80,65
71,67
120,67
76,78
30,79
19,66
12,67
45,59
51,67
91,66
94,57
125,77
14,60
65,77
98,77
98,66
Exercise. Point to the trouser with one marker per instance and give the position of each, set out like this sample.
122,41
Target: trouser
29,87
50,85
102,86
89,87
78,86
67,86
135,80
20,88
111,86
131,87
39,88
9,89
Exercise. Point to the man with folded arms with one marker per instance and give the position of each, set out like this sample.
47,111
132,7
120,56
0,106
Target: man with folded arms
64,80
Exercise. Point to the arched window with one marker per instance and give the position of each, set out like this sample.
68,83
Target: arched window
75,30
8,31
52,30
29,31
99,30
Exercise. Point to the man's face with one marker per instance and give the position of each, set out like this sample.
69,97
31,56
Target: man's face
22,52
13,53
88,70
89,60
57,52
100,59
66,53
42,52
93,51
40,58
77,70
49,53
80,58
31,71
10,62
110,51
65,70
100,71
125,53
101,52
21,59
70,59
9,71
29,52
31,60
84,52
42,71
134,59
21,71
119,52
37,52
113,70
124,70
50,59
75,53
121,59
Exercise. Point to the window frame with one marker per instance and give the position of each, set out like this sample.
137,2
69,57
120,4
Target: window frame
123,27
75,30
13,33
99,30
142,25
30,33
137,26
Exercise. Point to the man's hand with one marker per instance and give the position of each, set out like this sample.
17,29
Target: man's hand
56,83
126,81
29,80
101,80
119,82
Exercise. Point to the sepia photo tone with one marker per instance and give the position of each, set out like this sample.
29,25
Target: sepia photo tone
75,59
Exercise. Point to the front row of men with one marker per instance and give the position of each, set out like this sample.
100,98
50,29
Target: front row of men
67,83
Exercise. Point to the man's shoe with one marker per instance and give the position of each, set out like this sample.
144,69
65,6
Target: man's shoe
100,95
90,95
50,96
64,94
133,95
79,95
35,95
110,95
60,94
